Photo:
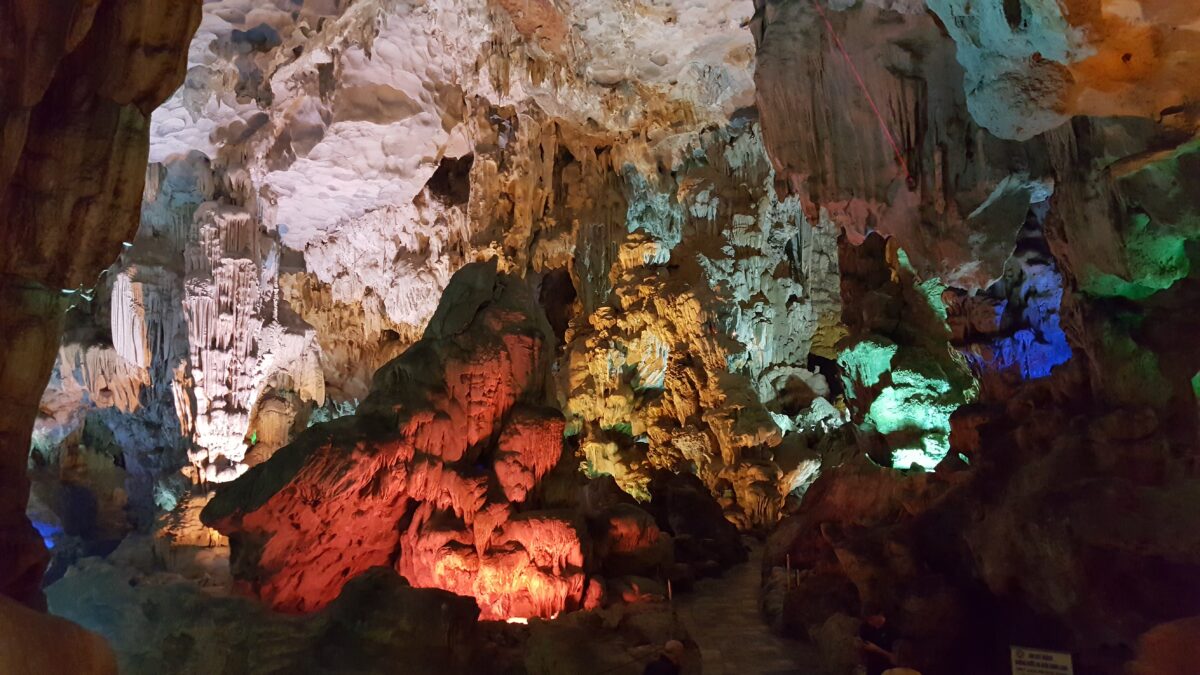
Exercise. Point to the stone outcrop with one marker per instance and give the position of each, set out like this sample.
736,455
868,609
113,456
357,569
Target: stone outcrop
32,642
164,624
432,475
445,475
1085,397
1031,66
377,622
718,296
75,138
880,138
903,380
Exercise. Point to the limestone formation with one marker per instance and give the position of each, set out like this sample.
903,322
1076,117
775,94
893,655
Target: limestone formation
28,642
73,154
550,304
427,476
1030,66
864,113
1064,325
902,377
439,475
543,145
674,374
376,622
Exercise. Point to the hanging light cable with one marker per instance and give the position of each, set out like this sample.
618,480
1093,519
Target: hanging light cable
887,133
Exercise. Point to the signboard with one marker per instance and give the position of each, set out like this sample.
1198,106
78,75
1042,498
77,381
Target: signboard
1027,661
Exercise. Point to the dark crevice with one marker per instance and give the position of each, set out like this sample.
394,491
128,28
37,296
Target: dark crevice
1014,14
451,182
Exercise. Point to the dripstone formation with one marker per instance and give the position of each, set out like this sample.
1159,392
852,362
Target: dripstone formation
535,315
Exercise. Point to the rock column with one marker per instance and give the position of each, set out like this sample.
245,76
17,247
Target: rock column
78,81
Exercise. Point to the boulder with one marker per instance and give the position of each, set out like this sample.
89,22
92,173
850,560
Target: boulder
163,624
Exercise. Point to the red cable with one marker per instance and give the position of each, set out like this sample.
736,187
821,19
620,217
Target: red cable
887,133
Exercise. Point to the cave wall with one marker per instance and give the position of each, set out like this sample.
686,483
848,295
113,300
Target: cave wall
1024,154
271,276
75,140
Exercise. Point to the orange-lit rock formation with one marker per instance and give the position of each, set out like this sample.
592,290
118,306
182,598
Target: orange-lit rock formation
433,476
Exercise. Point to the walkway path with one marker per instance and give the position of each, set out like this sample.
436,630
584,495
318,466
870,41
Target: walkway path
723,617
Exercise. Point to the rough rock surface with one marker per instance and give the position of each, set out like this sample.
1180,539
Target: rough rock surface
33,642
72,155
551,138
672,374
163,624
1059,302
903,380
915,276
439,475
431,476
880,139
1031,66
1168,648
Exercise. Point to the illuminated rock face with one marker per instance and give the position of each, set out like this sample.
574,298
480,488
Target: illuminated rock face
28,644
325,169
718,295
1056,246
432,476
902,378
444,475
194,355
1151,237
1013,332
1030,66
888,144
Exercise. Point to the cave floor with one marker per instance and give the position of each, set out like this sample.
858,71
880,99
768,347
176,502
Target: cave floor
723,617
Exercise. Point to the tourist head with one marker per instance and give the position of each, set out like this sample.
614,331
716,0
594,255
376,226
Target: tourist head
674,650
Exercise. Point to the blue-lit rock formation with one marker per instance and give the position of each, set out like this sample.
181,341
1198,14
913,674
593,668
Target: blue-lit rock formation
1012,331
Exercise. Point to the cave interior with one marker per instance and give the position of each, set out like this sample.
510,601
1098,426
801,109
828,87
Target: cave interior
600,336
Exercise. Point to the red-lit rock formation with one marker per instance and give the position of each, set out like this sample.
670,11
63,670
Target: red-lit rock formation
433,476
1169,648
